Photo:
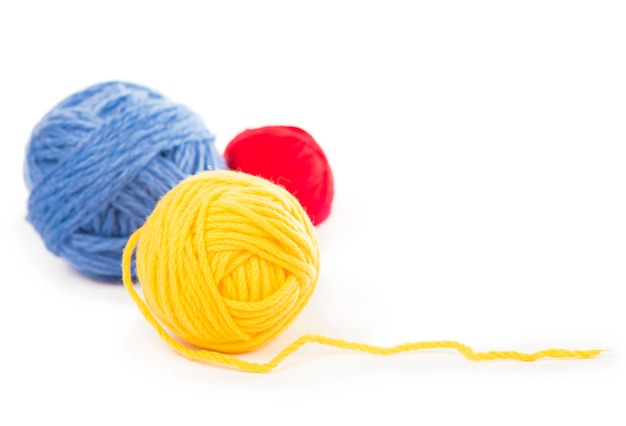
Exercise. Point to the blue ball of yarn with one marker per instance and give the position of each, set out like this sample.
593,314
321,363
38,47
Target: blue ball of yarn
99,161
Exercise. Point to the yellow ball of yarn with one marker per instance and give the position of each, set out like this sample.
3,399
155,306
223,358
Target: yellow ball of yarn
227,260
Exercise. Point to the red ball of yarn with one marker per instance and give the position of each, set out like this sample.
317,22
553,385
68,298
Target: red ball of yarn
289,157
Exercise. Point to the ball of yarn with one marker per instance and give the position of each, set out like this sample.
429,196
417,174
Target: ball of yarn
290,157
99,161
227,260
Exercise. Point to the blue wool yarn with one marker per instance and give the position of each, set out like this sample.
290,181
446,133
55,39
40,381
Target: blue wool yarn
99,161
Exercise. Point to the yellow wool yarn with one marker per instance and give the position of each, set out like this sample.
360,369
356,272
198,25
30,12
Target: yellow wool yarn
227,260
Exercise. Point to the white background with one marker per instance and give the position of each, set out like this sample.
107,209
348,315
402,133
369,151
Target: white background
479,153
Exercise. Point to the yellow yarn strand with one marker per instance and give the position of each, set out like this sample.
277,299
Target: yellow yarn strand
253,367
227,261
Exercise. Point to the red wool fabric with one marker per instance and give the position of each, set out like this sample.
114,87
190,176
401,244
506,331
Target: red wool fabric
290,157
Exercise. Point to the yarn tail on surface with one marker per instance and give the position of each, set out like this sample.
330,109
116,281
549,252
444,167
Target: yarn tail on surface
224,359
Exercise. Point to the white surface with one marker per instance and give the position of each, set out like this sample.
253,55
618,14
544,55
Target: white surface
479,151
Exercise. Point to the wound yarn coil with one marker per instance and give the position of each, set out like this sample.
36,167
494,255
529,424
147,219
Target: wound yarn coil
289,157
98,162
226,262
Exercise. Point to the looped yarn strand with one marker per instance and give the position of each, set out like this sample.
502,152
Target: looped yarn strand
227,260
